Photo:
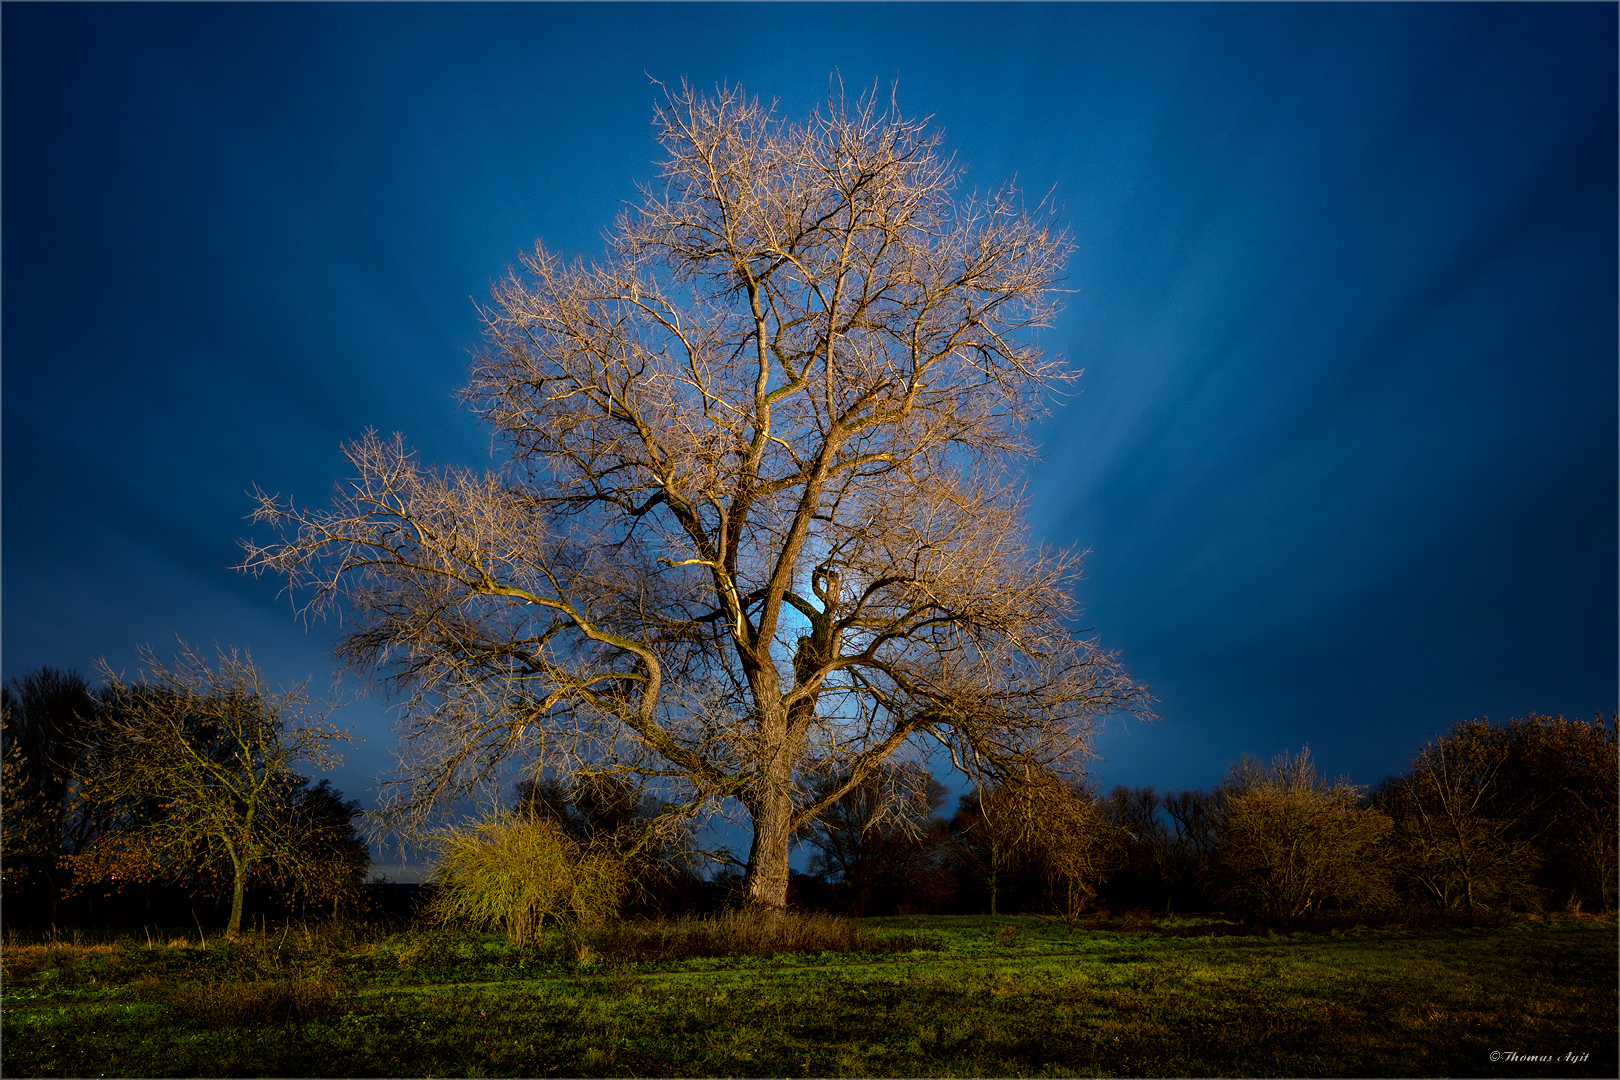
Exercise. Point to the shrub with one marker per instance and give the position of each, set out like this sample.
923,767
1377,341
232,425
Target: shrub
515,874
606,810
1291,844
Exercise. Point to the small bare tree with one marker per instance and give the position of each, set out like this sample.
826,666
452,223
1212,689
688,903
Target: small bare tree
1290,843
881,845
1069,846
206,751
1035,823
757,511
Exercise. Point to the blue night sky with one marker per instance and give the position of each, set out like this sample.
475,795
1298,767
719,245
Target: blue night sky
1344,454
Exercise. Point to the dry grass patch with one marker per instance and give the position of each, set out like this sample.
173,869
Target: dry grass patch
234,1004
747,933
57,962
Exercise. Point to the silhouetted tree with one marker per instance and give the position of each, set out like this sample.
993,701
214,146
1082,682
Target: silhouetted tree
50,721
880,844
1194,842
333,858
1138,849
1560,784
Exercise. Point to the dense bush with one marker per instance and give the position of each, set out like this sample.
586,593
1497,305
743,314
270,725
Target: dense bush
605,811
1289,843
516,874
1515,815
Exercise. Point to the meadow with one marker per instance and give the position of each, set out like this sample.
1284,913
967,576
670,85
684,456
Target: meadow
923,996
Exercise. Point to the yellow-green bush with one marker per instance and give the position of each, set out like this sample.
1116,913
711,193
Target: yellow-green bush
515,874
1291,844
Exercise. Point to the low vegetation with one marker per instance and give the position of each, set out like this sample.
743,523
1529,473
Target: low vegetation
751,933
515,874
1277,924
780,995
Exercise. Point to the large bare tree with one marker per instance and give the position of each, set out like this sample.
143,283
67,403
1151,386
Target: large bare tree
756,515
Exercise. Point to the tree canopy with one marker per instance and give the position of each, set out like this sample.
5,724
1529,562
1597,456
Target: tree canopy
757,514
193,765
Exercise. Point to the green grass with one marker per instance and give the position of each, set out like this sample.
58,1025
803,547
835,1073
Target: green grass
1002,997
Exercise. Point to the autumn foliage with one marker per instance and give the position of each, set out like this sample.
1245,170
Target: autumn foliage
1510,815
185,777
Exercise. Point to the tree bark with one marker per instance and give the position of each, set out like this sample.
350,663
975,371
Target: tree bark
994,861
766,883
238,888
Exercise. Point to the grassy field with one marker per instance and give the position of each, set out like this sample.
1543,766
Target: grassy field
954,996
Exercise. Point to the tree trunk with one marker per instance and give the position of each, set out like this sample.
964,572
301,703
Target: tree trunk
238,888
766,883
771,803
994,861
55,891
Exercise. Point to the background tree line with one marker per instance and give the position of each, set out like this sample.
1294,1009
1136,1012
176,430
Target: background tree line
183,786
1488,818
179,787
